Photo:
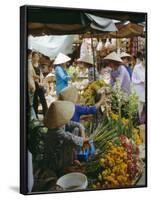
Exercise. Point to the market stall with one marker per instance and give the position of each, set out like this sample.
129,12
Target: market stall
115,154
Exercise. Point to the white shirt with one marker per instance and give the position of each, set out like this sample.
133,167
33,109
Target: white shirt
138,80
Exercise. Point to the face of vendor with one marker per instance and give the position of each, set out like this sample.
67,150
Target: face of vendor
84,65
35,58
114,65
125,60
64,65
80,64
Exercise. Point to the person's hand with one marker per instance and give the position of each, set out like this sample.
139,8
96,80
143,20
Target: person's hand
77,163
85,143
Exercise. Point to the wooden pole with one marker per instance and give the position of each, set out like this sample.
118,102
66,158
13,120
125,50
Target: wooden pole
94,60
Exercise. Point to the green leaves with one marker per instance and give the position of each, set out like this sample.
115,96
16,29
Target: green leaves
36,139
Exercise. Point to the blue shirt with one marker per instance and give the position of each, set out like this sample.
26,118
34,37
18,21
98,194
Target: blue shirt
82,110
129,70
61,78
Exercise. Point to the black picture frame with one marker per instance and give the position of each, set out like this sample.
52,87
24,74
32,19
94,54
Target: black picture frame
43,17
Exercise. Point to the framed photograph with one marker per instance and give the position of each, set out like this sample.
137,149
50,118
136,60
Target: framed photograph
83,104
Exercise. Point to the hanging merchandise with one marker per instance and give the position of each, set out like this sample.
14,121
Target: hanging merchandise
107,44
99,46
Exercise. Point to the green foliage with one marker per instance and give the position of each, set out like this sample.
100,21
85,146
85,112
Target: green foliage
36,139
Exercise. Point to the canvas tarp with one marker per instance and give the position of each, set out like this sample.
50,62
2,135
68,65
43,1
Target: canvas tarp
84,22
51,45
101,24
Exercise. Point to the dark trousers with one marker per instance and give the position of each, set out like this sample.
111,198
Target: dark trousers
39,95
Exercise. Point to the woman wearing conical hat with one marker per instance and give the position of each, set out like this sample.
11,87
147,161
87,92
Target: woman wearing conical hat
126,61
119,71
71,94
62,77
60,141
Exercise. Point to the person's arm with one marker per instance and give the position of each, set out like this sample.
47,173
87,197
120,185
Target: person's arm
79,141
73,124
61,74
86,110
101,102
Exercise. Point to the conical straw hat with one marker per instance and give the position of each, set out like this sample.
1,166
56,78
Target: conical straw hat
61,58
69,94
50,77
124,54
59,113
113,56
86,59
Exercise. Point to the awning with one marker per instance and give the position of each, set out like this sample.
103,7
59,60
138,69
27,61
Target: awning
124,31
54,15
51,45
101,24
61,21
129,30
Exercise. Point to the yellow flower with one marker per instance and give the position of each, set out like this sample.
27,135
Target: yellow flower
136,136
125,121
114,116
135,130
102,161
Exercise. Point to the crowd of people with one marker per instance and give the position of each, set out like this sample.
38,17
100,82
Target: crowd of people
62,118
130,70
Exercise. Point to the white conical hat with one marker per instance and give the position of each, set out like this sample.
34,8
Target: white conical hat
61,58
50,77
69,94
86,59
113,56
59,113
124,54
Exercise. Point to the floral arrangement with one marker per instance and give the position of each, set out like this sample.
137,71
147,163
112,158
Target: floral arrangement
120,165
90,92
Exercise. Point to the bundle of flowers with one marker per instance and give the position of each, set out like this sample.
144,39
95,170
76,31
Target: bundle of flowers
90,92
120,165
